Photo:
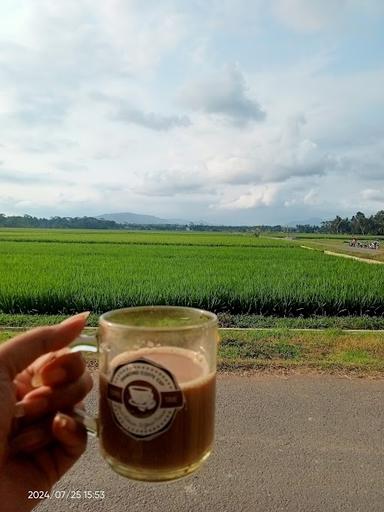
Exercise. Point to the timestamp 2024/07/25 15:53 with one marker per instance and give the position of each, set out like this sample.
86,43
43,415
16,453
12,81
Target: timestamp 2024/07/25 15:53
72,494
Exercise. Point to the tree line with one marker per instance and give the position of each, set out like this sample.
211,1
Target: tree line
358,224
27,221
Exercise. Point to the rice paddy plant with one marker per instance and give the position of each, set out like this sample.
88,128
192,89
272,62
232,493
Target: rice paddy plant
281,280
136,237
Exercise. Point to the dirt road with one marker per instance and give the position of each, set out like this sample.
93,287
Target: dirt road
298,443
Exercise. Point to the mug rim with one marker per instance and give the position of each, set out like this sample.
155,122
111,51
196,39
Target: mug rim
211,319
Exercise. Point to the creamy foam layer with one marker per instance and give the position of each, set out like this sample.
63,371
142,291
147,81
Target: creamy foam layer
188,367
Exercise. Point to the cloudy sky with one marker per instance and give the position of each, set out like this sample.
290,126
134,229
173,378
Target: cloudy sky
229,111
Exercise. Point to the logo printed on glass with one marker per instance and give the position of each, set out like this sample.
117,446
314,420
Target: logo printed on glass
144,398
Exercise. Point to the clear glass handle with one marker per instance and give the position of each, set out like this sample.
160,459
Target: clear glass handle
90,423
86,343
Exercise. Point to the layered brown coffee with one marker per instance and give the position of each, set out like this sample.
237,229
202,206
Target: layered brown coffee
157,409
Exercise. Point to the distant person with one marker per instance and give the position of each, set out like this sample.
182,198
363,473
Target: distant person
38,443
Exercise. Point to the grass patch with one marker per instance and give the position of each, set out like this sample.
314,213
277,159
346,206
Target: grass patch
258,345
5,335
312,322
355,356
328,350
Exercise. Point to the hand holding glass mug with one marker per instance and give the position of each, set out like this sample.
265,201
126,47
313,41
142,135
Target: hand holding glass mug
157,390
157,398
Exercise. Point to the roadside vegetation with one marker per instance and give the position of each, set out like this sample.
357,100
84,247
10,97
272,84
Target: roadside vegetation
226,320
331,350
328,350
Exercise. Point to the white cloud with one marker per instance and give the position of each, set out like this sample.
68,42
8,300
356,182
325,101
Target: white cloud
276,156
264,195
128,33
310,15
223,94
365,160
311,198
127,113
316,15
143,32
376,195
172,182
26,179
302,196
197,107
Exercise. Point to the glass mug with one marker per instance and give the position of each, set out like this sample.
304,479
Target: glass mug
157,369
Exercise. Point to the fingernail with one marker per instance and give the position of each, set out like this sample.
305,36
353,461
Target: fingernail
55,376
37,380
19,410
65,422
62,420
75,318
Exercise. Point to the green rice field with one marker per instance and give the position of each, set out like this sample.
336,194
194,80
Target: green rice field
93,236
61,272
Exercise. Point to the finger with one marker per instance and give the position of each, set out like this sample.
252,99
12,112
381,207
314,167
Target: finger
55,444
32,438
62,369
20,352
45,399
72,438
37,366
30,378
41,361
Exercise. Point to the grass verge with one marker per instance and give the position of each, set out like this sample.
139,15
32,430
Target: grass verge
331,350
227,320
312,322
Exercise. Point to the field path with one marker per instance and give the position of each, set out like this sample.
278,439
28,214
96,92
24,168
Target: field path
321,243
365,260
299,443
342,255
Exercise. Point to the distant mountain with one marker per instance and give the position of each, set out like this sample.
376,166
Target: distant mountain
134,218
312,222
